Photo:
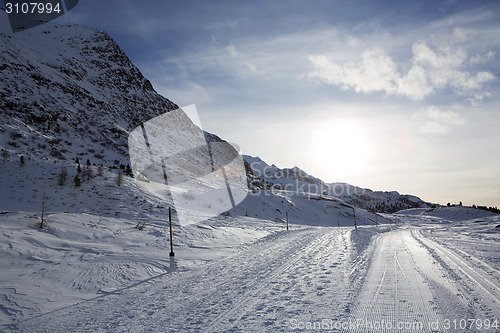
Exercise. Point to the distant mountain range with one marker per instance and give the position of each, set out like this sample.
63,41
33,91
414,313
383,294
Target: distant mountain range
70,92
269,177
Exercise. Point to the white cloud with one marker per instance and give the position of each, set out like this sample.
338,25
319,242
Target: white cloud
437,121
375,72
233,51
466,82
415,85
354,42
444,67
430,69
240,60
482,58
445,57
478,97
448,117
460,34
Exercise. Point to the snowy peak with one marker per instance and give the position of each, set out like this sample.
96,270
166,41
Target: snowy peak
287,178
294,179
69,91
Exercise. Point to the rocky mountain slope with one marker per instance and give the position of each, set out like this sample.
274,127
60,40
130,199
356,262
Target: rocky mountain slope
68,91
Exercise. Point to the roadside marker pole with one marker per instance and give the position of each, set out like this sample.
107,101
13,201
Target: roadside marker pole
338,221
354,213
170,223
286,220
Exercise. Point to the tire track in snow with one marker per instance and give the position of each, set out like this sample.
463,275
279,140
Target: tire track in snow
480,288
228,294
395,296
321,255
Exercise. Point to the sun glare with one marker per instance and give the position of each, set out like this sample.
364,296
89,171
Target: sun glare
340,150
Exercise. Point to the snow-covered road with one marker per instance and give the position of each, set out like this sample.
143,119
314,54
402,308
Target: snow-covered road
397,293
296,275
331,279
415,284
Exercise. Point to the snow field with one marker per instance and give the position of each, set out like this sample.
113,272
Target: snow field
283,277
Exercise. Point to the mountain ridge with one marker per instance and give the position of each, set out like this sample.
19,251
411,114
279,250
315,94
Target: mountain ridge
270,177
72,83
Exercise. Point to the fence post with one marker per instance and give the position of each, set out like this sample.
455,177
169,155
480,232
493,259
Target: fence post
170,224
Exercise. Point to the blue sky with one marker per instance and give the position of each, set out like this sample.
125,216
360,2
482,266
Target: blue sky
389,95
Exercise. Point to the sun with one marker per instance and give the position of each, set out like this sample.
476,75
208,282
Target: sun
340,150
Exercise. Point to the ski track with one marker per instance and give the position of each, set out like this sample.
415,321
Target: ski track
395,295
480,289
297,275
414,284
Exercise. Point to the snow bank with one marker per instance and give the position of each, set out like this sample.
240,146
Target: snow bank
79,256
458,213
362,237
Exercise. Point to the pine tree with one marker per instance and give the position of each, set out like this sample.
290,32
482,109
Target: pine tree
77,181
128,171
119,178
21,161
5,154
63,175
42,221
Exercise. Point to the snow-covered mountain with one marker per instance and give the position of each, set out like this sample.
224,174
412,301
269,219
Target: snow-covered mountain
70,91
263,175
